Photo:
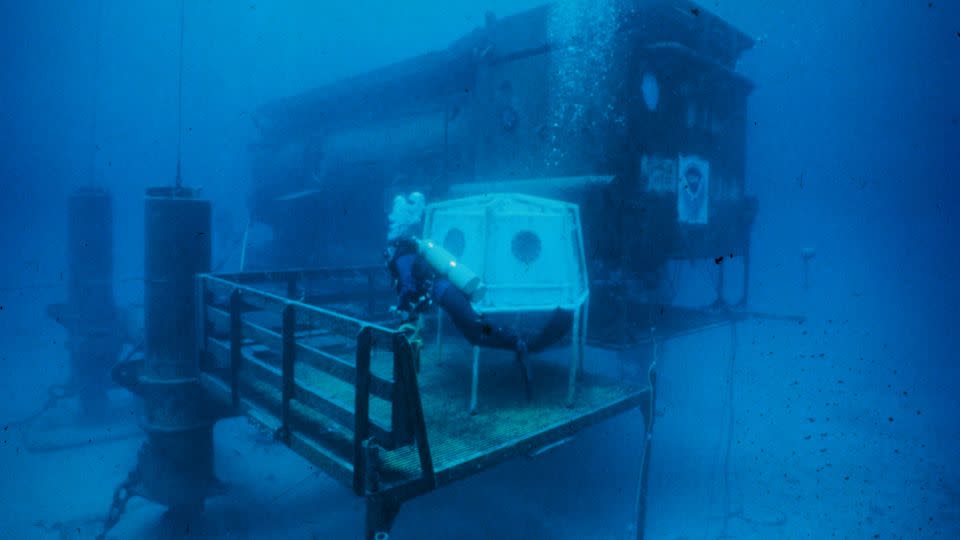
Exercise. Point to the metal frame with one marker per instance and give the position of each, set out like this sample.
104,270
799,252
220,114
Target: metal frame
401,391
228,334
579,305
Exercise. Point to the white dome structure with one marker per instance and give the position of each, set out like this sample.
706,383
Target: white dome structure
528,252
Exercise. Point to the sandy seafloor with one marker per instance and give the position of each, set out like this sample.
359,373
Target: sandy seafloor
826,444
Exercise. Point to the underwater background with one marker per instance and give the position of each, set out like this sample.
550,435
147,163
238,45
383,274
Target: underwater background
846,426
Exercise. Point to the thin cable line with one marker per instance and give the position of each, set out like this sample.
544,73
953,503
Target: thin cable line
94,93
179,179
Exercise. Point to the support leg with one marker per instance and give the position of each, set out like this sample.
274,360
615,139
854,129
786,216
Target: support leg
649,410
583,337
439,336
474,380
720,302
745,297
381,512
381,509
575,358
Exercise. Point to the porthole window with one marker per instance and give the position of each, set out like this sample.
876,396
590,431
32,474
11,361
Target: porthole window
650,89
455,242
526,246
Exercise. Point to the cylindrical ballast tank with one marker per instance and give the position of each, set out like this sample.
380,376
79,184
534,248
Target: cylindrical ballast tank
447,265
91,315
176,462
177,249
90,253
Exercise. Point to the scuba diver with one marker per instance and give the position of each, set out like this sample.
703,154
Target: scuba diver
419,287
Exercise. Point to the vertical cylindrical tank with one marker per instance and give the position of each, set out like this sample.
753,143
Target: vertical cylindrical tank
90,250
177,249
91,314
175,466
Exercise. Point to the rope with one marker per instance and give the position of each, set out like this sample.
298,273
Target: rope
179,180
413,331
243,246
95,92
728,513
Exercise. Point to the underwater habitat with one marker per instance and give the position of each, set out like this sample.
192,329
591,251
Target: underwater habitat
479,269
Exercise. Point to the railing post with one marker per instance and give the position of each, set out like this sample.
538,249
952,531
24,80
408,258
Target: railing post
288,356
408,381
361,407
371,465
236,342
400,426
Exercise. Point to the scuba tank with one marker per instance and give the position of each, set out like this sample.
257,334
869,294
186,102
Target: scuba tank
445,264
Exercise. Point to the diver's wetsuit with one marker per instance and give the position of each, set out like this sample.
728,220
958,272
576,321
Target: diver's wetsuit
418,286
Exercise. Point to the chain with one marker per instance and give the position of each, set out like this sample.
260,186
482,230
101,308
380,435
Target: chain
121,496
59,392
55,394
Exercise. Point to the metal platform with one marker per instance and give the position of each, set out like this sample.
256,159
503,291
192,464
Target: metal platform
376,411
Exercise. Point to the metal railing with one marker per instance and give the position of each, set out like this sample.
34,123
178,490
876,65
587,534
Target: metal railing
261,323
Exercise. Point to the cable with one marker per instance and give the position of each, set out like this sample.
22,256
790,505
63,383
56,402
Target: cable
243,246
179,179
95,91
728,512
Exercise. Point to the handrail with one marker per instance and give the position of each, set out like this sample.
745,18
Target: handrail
280,301
407,425
282,275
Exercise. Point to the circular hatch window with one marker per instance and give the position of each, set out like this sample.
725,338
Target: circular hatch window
650,90
526,246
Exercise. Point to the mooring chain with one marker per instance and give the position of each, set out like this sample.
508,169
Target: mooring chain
60,392
121,496
55,394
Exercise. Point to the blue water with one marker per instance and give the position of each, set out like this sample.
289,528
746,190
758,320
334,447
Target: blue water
845,427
